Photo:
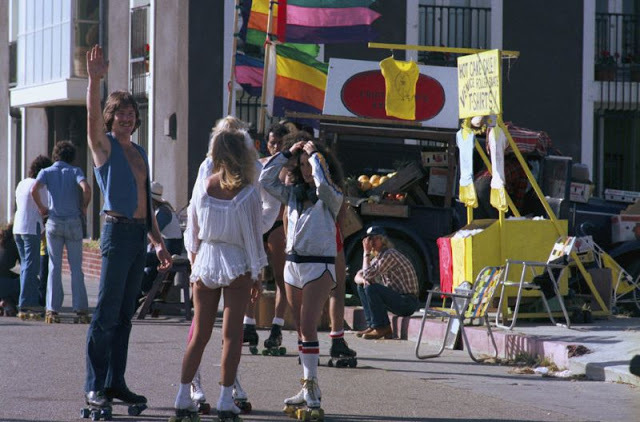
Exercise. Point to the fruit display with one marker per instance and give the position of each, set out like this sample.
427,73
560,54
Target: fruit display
368,182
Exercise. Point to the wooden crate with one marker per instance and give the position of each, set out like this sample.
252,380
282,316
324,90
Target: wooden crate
384,210
402,181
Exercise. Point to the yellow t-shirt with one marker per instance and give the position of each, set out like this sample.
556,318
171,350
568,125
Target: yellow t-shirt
400,79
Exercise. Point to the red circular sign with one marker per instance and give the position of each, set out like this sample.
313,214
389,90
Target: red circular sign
363,94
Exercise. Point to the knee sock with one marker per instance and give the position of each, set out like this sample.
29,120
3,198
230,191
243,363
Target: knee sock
183,399
249,321
309,359
278,321
336,335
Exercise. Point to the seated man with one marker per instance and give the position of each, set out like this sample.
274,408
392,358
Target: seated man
387,282
169,226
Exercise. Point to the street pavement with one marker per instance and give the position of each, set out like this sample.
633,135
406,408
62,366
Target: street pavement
43,367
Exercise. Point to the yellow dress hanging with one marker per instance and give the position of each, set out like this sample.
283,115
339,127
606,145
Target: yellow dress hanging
400,79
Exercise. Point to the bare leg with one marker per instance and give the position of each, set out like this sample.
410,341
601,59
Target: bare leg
205,303
236,297
336,298
314,296
276,256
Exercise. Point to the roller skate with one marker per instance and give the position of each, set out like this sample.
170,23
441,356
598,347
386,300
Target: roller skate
135,403
29,314
305,406
189,414
341,355
98,407
272,345
250,335
197,395
240,397
8,308
51,317
82,317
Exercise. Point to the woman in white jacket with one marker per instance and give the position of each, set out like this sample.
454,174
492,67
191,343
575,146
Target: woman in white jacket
313,203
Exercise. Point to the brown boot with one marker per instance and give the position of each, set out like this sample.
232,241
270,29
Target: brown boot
378,333
363,332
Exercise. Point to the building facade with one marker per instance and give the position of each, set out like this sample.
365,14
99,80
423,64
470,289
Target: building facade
174,56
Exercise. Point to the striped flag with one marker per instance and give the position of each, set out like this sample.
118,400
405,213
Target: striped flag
255,16
248,73
325,21
309,21
300,82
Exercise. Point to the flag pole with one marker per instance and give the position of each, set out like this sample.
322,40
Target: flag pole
267,52
234,49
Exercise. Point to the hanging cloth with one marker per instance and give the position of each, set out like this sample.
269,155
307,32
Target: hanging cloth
465,139
400,79
497,145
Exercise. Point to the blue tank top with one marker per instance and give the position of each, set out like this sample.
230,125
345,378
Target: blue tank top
117,183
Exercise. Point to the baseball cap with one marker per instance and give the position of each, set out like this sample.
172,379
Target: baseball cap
376,231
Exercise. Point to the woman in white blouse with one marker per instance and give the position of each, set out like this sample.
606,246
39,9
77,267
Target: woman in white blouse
224,242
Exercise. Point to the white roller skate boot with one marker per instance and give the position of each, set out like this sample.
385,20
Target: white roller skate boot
185,410
197,395
240,397
292,404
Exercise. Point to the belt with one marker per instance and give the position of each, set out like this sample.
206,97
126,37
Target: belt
304,259
124,220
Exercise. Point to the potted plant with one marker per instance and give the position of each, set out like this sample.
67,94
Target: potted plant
606,66
633,60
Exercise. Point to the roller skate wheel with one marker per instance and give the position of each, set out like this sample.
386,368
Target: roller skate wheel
283,351
243,405
253,350
330,363
204,408
290,410
85,413
316,415
353,363
265,352
136,409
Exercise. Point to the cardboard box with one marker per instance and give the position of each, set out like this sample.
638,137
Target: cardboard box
384,210
437,181
351,223
621,195
623,228
580,192
437,159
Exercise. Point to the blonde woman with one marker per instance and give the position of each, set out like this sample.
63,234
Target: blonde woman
224,243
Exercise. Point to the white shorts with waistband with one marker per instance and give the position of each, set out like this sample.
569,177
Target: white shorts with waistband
299,274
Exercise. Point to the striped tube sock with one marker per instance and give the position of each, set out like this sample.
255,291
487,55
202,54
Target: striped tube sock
336,334
310,355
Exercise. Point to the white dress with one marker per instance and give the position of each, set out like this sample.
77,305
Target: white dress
226,236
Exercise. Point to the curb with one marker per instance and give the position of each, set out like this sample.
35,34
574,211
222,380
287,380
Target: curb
595,366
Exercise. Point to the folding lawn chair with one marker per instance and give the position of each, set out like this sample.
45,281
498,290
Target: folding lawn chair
474,306
550,271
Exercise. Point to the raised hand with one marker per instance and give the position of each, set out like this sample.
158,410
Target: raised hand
309,148
97,66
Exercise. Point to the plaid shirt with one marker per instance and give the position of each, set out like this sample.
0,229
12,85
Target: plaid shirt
394,270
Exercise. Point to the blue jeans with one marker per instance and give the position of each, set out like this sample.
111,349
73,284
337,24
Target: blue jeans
123,256
10,288
377,300
29,251
61,232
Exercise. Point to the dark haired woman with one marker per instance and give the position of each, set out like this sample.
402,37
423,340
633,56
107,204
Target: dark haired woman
27,230
313,201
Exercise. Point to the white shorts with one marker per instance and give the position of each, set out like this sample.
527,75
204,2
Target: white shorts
299,274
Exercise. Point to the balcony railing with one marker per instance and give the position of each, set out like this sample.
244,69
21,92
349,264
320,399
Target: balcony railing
450,26
617,61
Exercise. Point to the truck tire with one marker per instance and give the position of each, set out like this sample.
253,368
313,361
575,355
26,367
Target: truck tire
354,263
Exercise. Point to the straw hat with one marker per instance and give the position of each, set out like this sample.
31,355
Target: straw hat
156,191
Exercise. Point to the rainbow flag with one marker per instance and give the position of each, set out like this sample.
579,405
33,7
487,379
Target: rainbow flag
325,21
308,21
248,74
300,82
255,15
